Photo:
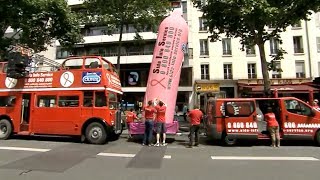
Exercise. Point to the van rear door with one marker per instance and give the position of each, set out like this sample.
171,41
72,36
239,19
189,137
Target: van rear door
240,119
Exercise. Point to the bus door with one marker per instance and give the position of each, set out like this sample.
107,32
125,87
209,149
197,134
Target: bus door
240,119
25,112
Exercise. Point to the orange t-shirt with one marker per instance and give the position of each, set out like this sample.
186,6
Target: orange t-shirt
149,112
271,120
161,113
195,116
131,116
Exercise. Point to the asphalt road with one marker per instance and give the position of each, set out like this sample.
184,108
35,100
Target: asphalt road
65,159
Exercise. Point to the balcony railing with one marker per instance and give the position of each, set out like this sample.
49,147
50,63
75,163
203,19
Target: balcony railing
205,77
228,76
204,53
227,52
252,76
276,76
298,50
301,75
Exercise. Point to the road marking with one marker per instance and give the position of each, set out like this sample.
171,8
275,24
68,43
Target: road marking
264,158
24,149
126,155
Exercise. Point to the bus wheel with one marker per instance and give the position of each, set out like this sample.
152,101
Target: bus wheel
318,137
228,141
5,129
96,133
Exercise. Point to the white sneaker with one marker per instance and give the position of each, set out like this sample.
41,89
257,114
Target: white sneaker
157,144
164,144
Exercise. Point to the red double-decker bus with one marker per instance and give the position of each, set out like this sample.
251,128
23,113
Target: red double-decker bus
80,98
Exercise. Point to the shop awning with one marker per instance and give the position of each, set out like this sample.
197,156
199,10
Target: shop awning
301,88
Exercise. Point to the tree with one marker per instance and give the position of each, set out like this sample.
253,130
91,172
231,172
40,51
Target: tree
37,23
118,14
248,19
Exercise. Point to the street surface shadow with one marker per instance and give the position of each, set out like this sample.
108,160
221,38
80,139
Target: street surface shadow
68,139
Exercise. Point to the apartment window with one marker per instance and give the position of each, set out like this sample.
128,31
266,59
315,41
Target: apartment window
202,24
298,44
317,19
184,7
190,53
300,69
318,44
276,74
226,45
274,46
297,25
250,50
205,71
227,70
62,54
204,47
252,73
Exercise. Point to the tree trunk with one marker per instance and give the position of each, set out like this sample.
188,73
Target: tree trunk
264,67
119,47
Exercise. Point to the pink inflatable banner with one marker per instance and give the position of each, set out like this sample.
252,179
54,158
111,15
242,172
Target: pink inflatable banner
164,74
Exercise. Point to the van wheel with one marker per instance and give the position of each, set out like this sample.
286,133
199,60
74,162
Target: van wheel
96,133
318,137
5,129
228,141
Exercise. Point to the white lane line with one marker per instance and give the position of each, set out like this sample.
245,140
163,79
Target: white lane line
23,149
116,155
264,158
126,155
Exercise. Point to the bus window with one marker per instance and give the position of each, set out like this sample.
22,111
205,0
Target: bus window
88,99
5,67
112,101
68,101
92,63
47,101
7,101
100,100
73,63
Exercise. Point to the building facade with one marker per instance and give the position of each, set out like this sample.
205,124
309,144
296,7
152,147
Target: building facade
218,69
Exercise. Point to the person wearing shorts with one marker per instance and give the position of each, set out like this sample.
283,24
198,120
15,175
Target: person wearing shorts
161,123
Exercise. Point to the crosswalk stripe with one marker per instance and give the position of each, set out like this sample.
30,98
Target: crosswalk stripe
266,158
126,155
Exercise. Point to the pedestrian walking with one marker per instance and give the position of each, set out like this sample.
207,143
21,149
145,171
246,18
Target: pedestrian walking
161,123
130,117
195,117
149,115
273,127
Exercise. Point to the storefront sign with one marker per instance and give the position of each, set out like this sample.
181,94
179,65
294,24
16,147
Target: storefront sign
207,87
38,80
273,81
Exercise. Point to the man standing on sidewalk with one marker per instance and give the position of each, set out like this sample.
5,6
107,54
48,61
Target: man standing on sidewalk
195,116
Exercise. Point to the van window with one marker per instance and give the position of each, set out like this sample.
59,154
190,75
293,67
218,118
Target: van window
68,101
297,107
47,101
101,100
239,109
7,101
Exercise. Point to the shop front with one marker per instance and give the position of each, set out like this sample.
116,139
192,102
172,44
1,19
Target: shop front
299,88
134,78
216,89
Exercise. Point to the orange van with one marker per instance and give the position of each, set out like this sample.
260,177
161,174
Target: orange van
230,120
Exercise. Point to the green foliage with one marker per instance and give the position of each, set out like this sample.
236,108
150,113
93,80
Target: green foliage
37,23
114,13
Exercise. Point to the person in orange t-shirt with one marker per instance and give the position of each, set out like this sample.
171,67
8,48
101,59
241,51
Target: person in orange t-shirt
149,112
195,116
130,117
161,123
273,127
